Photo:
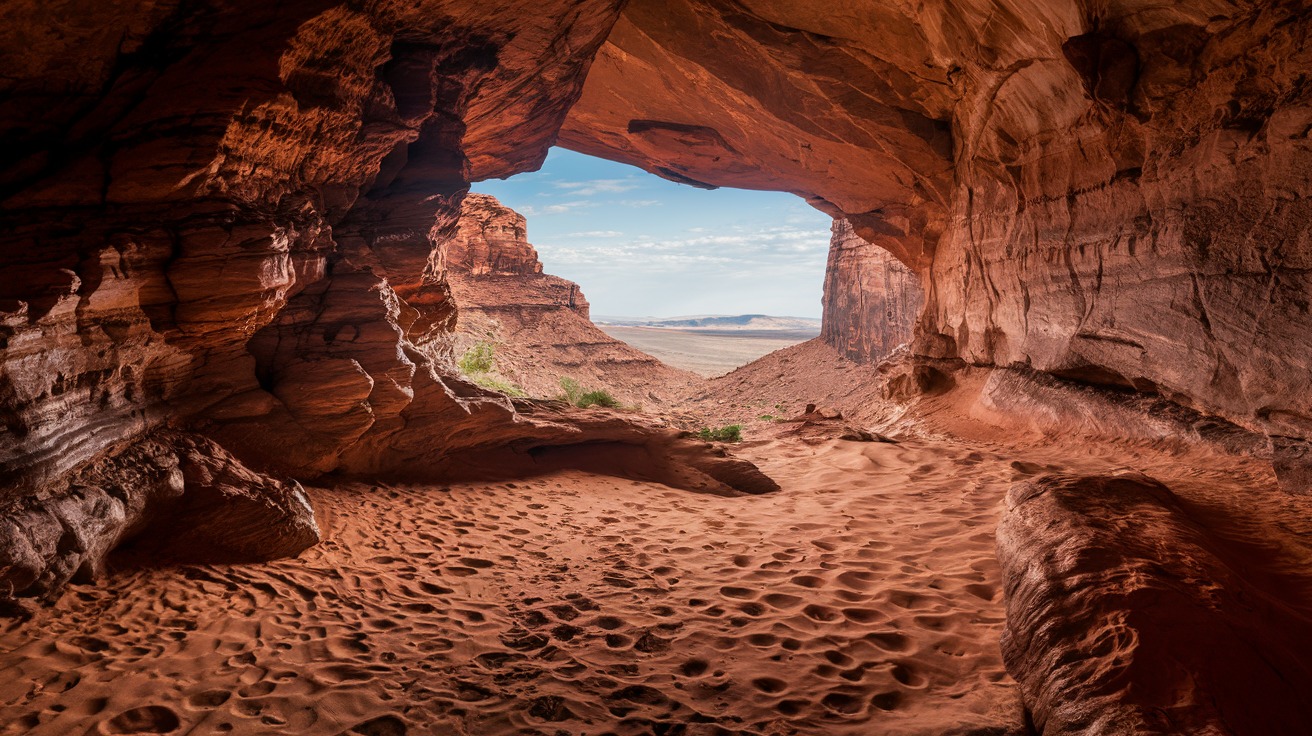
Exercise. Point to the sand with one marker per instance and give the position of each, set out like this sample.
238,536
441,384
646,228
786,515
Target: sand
705,352
863,596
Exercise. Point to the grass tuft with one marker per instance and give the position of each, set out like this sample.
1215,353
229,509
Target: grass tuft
599,398
479,358
731,433
497,384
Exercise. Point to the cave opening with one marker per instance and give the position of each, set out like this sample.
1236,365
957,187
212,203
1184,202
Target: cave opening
277,456
703,280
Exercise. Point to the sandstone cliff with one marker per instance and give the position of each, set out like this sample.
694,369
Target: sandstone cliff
871,299
537,324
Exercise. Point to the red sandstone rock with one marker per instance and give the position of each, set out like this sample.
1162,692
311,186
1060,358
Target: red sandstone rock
871,300
1126,614
490,239
538,324
174,492
228,215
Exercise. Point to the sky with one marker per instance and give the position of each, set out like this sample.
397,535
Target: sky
641,246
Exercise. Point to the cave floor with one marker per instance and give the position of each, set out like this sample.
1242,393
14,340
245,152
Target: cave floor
862,598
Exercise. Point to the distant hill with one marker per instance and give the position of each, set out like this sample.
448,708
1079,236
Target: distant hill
718,322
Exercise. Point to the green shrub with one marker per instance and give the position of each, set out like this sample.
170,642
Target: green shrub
600,398
497,384
573,390
766,418
731,433
479,358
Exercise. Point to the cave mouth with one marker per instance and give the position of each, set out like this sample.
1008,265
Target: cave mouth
220,225
634,287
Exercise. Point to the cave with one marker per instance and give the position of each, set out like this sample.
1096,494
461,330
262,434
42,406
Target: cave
1053,478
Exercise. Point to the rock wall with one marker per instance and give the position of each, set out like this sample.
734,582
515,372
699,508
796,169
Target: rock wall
490,239
1126,614
538,324
227,212
871,299
1110,192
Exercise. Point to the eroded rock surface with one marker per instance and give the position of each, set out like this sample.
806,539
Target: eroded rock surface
1129,611
179,494
217,171
1112,195
871,299
537,325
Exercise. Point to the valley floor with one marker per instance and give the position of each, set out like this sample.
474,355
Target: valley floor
707,353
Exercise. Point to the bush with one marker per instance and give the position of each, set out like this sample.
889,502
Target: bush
573,390
479,358
731,433
497,384
600,398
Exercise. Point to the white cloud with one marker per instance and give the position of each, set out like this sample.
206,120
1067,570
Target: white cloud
597,186
785,250
555,209
639,202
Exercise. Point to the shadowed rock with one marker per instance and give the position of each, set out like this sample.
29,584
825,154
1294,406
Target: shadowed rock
1126,614
177,494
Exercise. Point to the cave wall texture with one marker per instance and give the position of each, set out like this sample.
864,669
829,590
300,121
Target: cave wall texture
871,299
1113,192
225,214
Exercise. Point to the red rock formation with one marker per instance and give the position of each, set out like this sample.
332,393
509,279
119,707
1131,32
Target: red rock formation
538,324
490,239
1115,195
871,300
173,493
1125,614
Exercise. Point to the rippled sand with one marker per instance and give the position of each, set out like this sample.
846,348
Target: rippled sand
863,596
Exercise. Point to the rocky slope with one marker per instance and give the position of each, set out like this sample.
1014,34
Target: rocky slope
537,325
871,300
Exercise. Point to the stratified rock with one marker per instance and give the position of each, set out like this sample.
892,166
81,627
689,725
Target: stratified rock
1126,614
1117,196
537,324
490,239
871,299
175,492
174,176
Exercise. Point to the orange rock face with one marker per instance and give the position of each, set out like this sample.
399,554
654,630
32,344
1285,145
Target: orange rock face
490,239
536,323
1127,615
871,300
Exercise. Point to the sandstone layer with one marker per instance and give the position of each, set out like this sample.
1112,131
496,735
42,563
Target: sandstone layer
1112,193
1125,614
172,493
535,325
228,218
871,299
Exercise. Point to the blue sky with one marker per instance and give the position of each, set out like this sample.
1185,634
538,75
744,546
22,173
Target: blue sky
641,246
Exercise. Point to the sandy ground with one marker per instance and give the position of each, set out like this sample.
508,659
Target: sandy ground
863,596
706,353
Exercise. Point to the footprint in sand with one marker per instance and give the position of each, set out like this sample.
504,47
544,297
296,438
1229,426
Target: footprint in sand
144,720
